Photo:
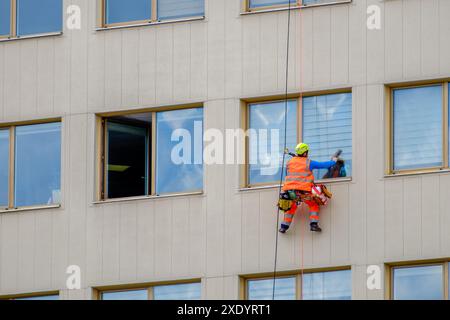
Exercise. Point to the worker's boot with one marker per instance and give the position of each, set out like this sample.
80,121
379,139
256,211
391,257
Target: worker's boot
315,227
284,228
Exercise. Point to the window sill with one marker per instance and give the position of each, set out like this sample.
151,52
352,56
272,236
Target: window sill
274,186
175,195
31,208
262,10
416,173
125,26
33,36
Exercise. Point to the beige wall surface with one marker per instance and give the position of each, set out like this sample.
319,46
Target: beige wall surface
226,232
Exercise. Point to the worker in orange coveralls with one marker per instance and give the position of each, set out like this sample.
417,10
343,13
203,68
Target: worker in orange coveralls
299,177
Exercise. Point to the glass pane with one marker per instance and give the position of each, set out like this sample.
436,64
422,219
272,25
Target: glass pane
4,167
38,164
333,285
5,17
188,291
52,297
285,289
267,3
419,283
266,141
175,9
179,151
127,159
118,11
310,2
327,127
418,128
126,295
35,17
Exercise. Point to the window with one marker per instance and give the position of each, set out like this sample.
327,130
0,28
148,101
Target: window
418,282
285,289
30,17
326,122
126,12
330,285
30,170
152,153
45,297
335,285
183,291
418,128
255,5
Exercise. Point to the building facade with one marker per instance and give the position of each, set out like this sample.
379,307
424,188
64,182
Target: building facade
370,77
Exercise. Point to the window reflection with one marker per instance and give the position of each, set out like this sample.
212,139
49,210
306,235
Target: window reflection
4,167
175,9
37,164
35,17
264,164
5,16
327,127
188,291
418,283
179,169
118,11
332,285
126,295
285,289
268,3
417,127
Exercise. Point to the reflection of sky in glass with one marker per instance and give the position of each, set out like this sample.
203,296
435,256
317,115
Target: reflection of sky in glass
175,9
5,16
127,10
4,167
51,297
171,177
126,295
43,16
188,291
418,283
285,289
266,3
38,164
333,285
327,127
268,116
418,127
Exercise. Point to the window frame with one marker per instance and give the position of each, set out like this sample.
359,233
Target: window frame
99,291
101,158
13,26
11,164
389,127
153,17
31,295
298,275
389,292
245,124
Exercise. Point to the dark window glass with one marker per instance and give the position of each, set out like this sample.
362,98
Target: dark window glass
38,164
127,158
36,17
4,167
118,11
5,17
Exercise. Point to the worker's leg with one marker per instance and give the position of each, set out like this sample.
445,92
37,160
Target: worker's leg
288,217
314,210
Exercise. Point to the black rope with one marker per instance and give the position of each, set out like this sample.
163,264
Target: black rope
285,145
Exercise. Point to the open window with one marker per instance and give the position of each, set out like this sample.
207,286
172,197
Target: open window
151,153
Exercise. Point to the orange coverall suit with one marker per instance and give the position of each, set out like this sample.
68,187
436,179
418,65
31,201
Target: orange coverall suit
299,177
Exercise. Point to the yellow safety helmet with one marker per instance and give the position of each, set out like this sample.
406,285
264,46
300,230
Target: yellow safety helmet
301,148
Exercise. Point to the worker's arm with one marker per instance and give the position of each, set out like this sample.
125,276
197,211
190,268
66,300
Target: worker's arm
321,165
